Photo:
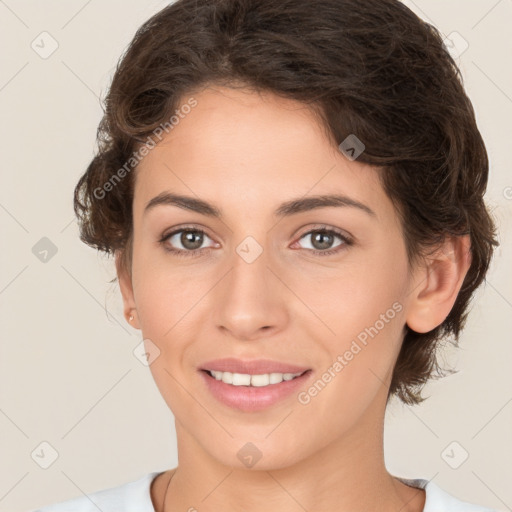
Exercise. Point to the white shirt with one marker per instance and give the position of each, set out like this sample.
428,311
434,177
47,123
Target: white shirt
135,497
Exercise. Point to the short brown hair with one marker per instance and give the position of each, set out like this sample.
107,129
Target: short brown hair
369,67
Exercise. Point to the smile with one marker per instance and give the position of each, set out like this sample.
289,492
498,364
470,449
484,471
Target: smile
253,392
245,379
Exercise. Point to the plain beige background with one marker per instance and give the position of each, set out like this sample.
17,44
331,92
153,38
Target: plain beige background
70,385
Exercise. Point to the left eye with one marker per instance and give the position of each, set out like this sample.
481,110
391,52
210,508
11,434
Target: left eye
190,240
322,240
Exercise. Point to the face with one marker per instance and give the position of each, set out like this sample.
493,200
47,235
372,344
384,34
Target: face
273,275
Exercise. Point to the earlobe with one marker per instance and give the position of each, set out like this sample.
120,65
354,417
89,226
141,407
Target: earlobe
126,287
438,283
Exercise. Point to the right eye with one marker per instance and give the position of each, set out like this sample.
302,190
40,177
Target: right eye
189,238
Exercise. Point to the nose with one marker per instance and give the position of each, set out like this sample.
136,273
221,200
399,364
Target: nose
250,302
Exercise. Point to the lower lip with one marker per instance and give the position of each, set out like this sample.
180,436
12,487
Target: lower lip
252,398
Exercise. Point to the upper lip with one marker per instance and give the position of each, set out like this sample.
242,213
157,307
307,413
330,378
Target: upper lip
252,367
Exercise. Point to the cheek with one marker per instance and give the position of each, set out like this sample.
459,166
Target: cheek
361,356
363,306
162,294
167,300
353,294
366,322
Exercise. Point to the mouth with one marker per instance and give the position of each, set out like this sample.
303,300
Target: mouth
252,386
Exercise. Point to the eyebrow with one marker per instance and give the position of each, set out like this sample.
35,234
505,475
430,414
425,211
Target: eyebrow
286,209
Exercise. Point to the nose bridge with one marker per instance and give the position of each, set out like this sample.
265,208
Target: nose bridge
249,275
250,249
249,298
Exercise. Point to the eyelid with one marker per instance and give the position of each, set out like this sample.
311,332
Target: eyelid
326,227
185,227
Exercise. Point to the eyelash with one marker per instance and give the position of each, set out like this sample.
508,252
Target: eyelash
347,242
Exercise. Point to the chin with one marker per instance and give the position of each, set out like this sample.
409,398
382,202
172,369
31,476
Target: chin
260,453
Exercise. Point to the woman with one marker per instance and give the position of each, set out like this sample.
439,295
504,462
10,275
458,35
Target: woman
293,193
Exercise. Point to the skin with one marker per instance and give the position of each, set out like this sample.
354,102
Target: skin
247,153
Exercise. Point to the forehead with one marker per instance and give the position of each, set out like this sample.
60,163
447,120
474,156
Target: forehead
249,150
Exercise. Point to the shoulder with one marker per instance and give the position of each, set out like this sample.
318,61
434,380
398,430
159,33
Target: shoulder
439,500
132,496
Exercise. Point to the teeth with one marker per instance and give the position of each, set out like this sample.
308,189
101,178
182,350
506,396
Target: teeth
244,379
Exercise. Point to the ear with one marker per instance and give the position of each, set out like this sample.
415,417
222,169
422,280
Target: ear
438,283
125,284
